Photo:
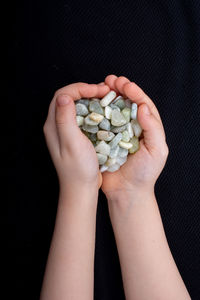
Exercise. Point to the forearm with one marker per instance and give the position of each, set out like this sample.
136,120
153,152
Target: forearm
148,268
69,271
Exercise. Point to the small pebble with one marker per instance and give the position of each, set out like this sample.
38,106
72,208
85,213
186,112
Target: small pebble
135,145
122,152
121,160
125,136
89,128
120,103
117,119
95,106
101,158
105,135
113,168
134,111
136,128
126,112
108,112
115,141
84,101
113,106
105,124
106,100
103,148
96,117
88,121
125,145
118,129
110,162
130,130
114,152
81,109
79,120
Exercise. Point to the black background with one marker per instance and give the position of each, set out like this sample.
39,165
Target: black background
157,45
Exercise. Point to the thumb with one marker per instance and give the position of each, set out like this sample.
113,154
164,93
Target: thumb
65,117
153,131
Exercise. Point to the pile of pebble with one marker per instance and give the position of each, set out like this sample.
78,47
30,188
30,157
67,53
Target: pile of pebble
111,125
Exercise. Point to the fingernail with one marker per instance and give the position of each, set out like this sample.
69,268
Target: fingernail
146,110
62,100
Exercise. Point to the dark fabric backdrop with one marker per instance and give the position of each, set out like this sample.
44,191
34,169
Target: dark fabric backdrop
157,45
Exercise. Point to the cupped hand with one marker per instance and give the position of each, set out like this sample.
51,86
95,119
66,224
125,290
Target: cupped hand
142,168
72,152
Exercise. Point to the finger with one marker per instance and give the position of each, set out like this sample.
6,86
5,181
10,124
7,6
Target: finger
110,81
135,93
119,84
65,118
153,132
101,83
84,90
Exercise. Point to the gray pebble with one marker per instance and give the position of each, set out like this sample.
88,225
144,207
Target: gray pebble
105,124
115,141
101,158
118,129
95,106
83,101
81,109
89,128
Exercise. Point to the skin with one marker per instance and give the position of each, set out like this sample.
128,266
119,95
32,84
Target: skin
148,268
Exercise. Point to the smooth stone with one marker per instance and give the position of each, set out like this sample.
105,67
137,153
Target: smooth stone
107,99
84,101
105,124
126,112
79,120
125,145
108,112
113,106
122,152
81,109
93,137
136,128
130,130
110,162
105,135
103,148
114,152
117,119
121,160
103,168
118,129
128,103
120,103
113,168
135,145
95,106
115,141
96,117
134,111
89,128
90,122
116,99
125,136
101,158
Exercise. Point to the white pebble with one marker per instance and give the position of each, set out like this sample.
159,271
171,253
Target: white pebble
121,160
105,135
108,112
136,128
125,145
103,148
108,98
103,168
122,152
79,120
134,111
114,152
130,130
110,162
113,168
101,158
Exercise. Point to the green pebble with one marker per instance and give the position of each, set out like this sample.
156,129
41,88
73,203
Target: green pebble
126,112
135,142
125,136
120,103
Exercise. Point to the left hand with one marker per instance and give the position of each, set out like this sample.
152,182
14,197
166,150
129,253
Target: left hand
72,152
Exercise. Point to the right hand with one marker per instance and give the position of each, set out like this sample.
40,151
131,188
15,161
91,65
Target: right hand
142,169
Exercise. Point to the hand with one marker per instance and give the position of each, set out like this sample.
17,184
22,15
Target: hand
142,169
72,152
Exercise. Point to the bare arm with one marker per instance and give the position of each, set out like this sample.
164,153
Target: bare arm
70,268
148,268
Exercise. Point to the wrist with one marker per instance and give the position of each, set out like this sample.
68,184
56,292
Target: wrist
123,200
